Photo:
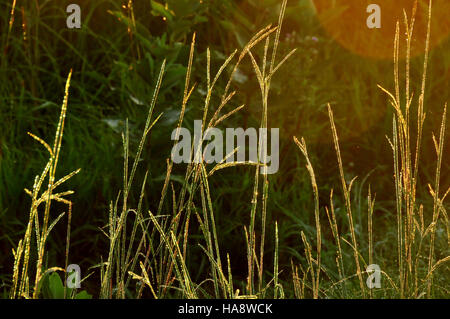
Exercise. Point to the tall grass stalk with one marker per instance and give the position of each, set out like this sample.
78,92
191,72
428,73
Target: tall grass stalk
166,259
117,223
10,25
40,223
406,171
264,78
316,277
346,189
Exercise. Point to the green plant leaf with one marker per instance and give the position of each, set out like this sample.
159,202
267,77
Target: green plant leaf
83,295
56,286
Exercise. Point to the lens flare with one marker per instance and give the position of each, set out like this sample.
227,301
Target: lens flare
347,22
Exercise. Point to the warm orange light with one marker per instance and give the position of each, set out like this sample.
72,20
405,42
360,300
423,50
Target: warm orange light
346,22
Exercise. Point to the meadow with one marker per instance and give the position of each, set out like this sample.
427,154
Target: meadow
87,178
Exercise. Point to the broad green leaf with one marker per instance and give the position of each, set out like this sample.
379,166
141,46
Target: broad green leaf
83,295
56,286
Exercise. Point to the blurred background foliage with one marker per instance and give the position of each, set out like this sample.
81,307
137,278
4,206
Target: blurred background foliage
116,57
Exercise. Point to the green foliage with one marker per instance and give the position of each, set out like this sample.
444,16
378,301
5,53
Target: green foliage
181,17
52,288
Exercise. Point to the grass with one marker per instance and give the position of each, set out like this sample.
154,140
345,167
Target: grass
39,222
168,235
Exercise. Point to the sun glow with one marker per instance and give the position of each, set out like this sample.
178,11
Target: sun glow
346,22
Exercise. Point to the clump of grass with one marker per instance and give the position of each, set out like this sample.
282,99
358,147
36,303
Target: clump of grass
315,275
264,75
410,213
154,254
413,235
39,219
164,241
